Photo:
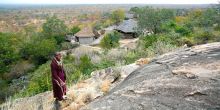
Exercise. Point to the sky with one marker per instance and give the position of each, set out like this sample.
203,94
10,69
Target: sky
108,1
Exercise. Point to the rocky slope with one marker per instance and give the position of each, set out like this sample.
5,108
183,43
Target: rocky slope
187,79
79,94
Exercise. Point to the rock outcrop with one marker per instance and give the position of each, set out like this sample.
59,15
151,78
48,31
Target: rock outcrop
79,94
187,79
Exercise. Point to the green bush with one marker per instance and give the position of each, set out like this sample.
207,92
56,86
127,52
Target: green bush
131,57
149,40
75,29
189,41
59,39
40,50
40,80
8,51
85,66
204,37
67,46
104,64
182,30
111,40
118,16
54,27
74,77
159,48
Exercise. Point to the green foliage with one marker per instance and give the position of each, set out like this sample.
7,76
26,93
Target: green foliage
134,10
182,30
104,64
67,45
75,29
152,19
8,52
55,27
159,48
75,76
118,16
149,40
85,65
111,40
189,41
204,37
40,50
40,80
131,57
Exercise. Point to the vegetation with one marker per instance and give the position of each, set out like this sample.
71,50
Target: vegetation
75,29
111,40
55,28
152,19
28,51
117,16
8,52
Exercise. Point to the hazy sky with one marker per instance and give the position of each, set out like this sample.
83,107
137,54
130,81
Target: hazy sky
107,1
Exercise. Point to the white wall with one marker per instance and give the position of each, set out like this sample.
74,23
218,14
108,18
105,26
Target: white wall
86,40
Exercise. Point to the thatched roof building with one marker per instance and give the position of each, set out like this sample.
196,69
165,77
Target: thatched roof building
127,26
85,36
85,32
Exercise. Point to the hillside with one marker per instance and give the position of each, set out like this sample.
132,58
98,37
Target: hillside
187,78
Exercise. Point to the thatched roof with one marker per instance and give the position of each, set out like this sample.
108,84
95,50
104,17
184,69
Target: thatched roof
85,32
127,26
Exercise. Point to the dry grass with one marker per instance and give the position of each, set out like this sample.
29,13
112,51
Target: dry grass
93,53
105,86
142,61
83,99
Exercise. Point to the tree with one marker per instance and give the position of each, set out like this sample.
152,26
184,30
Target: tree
118,16
54,27
110,40
152,19
75,29
39,50
8,51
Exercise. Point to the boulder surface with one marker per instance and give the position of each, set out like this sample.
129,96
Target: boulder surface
187,79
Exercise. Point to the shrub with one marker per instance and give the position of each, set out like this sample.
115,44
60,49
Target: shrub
74,76
85,65
104,64
159,48
59,39
204,37
149,40
131,57
67,46
40,81
54,27
182,30
39,51
186,40
110,40
75,29
117,16
8,51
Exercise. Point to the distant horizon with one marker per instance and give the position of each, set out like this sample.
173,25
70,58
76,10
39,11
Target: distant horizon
106,4
70,2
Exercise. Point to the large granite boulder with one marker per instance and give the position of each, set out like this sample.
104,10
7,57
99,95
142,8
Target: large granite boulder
187,79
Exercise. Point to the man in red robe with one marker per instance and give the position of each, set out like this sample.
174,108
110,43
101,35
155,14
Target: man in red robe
58,78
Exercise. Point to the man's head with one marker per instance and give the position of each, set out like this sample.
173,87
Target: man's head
58,56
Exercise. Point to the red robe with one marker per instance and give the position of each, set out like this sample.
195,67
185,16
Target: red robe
58,75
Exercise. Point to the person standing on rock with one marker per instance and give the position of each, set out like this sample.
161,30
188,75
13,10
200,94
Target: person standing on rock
58,78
